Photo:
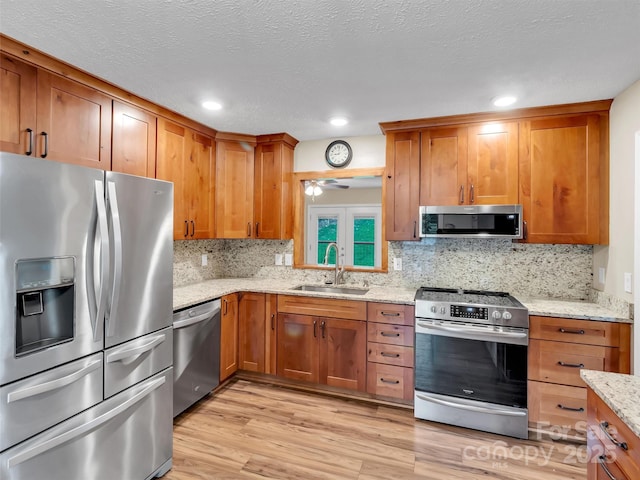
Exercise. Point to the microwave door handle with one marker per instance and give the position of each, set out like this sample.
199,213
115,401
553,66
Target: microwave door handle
117,254
98,321
69,435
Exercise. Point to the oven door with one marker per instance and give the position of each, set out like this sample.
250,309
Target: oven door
475,362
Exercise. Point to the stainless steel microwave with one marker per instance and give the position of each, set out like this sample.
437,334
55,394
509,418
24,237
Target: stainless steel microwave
471,221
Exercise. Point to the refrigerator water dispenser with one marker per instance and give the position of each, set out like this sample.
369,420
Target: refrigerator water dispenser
45,295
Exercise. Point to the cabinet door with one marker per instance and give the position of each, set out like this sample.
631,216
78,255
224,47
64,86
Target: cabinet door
403,184
134,141
17,106
229,336
559,179
443,167
199,186
343,353
268,179
492,164
74,122
270,343
251,321
297,356
172,153
234,190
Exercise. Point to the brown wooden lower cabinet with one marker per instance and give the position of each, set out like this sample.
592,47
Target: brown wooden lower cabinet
390,381
614,450
228,336
558,349
257,332
329,351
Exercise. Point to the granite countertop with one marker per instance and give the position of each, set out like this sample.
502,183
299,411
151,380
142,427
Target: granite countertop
188,295
581,310
620,391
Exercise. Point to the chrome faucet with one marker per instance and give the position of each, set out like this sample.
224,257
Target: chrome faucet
339,272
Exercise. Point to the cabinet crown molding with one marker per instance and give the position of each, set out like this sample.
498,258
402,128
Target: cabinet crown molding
519,114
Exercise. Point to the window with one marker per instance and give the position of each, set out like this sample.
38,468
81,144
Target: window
357,230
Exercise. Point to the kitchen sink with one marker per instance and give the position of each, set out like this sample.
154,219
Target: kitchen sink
330,289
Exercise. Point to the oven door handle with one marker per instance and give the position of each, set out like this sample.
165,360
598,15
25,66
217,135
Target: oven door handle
471,408
519,338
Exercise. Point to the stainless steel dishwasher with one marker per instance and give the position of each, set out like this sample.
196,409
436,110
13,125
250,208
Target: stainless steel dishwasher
196,354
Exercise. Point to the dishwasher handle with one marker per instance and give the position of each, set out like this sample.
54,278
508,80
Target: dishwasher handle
185,318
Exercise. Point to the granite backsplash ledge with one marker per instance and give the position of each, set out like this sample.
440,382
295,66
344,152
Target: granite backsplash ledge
555,271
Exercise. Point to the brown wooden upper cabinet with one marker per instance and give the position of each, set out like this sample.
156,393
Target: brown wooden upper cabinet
133,145
403,186
564,179
476,165
52,117
253,186
234,188
185,157
273,190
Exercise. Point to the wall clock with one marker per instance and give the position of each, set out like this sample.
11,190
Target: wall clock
338,154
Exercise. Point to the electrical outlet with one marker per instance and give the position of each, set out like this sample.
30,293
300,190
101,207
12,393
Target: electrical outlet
627,282
288,259
601,275
278,259
397,263
204,260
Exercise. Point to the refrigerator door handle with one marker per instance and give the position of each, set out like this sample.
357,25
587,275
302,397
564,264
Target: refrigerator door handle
117,255
129,355
47,445
98,321
34,390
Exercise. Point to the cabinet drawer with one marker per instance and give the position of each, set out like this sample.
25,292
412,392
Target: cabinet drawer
390,381
608,429
390,334
391,313
560,362
551,404
390,354
575,331
322,307
602,463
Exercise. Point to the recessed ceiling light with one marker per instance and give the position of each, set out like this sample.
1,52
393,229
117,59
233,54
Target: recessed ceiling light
209,105
338,121
504,101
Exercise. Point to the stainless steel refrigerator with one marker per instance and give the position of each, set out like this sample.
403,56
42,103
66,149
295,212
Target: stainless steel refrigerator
86,378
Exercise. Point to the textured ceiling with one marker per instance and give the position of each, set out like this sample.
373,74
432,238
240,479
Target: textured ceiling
289,65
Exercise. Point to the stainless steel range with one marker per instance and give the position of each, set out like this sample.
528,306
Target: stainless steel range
471,360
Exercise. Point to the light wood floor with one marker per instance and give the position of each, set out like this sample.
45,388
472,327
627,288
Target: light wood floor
253,430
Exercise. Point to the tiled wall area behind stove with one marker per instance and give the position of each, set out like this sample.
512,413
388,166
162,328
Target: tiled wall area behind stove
560,271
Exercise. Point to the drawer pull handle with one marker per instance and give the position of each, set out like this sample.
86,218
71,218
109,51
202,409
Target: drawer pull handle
390,314
393,334
605,428
393,382
602,461
571,409
390,355
571,365
574,332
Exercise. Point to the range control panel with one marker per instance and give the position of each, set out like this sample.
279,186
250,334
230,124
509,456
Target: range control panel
462,311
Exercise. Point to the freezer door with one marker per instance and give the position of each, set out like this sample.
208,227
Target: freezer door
140,215
48,210
127,364
128,436
61,393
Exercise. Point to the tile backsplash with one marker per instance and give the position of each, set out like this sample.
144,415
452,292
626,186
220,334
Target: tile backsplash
560,271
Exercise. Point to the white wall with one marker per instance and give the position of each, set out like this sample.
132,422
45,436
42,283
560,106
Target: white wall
368,152
636,295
